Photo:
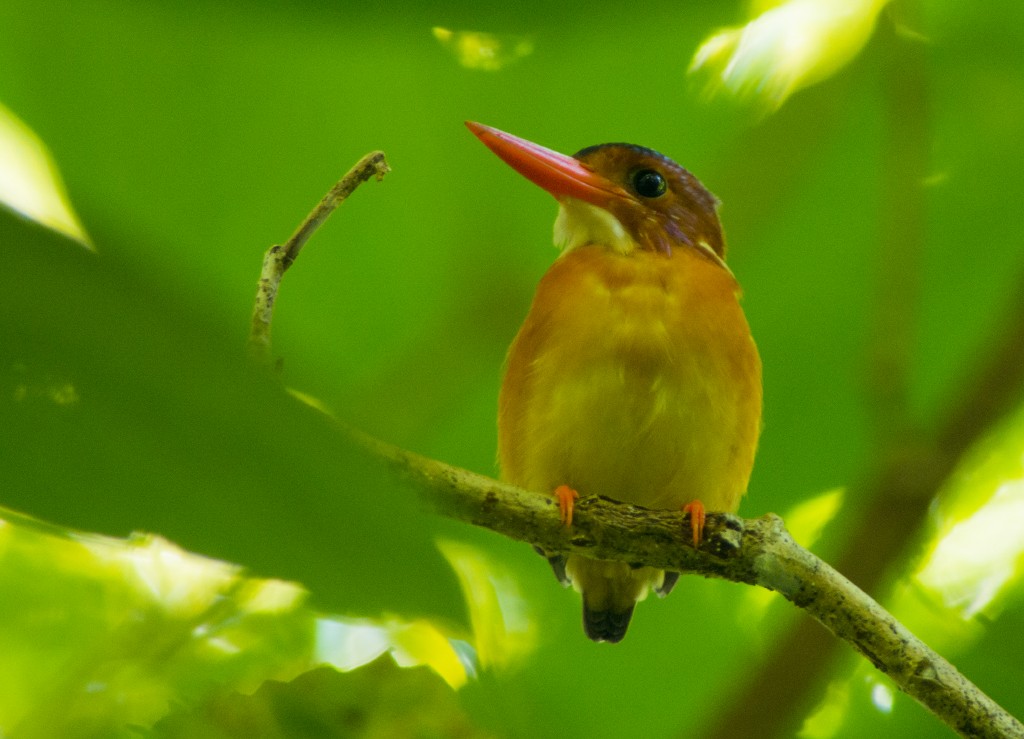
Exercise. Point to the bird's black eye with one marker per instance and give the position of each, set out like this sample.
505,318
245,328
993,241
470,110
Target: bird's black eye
649,183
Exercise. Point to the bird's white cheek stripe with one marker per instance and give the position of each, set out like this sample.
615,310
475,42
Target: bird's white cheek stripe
579,224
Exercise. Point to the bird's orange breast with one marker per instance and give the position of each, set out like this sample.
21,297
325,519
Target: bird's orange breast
634,376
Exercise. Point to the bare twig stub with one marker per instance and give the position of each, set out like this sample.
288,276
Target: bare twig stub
279,258
756,551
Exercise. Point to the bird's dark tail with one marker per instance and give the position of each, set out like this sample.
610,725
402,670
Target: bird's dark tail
606,625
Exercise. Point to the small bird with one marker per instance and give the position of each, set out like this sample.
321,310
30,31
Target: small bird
634,375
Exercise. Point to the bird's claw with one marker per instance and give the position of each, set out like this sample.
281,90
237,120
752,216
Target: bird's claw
697,516
567,498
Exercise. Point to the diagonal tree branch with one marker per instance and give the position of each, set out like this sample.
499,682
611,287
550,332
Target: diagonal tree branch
756,552
752,551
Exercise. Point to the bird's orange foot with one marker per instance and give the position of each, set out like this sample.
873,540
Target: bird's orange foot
566,500
697,516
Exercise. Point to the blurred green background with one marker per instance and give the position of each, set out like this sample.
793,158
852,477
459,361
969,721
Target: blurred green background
190,137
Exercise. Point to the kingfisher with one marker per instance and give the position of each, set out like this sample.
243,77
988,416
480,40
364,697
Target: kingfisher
634,375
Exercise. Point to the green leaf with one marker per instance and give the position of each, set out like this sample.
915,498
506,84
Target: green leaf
375,702
166,427
29,181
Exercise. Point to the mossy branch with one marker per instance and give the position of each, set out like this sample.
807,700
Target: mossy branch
752,551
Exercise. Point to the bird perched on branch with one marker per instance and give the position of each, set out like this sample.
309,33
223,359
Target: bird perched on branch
634,375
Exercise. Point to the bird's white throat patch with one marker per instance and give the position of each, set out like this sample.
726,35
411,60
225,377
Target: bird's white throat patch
580,223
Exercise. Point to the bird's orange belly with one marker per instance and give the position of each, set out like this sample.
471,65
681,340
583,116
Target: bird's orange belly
634,386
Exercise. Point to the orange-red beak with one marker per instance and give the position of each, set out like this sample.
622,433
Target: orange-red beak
562,176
